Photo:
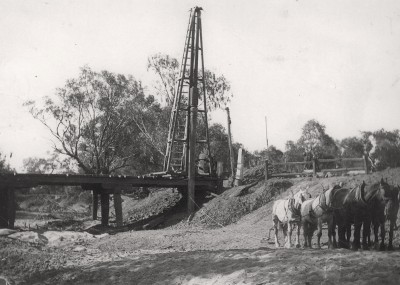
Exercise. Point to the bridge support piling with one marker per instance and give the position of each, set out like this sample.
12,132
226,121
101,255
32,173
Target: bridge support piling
3,208
11,207
7,207
105,208
95,203
118,208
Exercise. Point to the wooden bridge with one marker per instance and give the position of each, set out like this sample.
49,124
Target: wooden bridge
101,185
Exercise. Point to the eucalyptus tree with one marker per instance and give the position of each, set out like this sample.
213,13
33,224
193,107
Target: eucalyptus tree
101,120
166,68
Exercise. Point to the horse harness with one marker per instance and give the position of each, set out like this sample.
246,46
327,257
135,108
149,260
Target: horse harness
292,208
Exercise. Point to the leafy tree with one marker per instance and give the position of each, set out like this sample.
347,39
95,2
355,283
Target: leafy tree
274,155
352,147
4,165
293,152
219,145
314,140
167,70
383,147
53,164
218,90
100,119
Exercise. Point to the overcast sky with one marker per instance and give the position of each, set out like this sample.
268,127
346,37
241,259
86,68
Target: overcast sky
334,61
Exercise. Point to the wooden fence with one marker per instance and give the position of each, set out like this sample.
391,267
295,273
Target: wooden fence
314,167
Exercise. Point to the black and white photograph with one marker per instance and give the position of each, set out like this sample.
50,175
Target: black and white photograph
199,142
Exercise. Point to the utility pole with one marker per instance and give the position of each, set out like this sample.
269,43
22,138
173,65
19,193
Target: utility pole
266,130
230,145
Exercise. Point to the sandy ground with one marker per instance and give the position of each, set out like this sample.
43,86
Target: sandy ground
236,254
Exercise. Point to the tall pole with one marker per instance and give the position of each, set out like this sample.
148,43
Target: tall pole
230,144
193,105
192,149
266,130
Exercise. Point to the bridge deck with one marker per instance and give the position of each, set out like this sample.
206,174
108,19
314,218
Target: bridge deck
105,181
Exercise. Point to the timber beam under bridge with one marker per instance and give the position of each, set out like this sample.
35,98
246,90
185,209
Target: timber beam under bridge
101,185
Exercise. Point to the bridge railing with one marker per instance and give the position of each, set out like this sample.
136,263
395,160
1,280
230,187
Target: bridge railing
316,166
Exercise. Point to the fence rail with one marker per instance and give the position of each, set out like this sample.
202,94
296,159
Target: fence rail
274,169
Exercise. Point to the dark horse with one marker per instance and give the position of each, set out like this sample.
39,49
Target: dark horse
365,205
391,210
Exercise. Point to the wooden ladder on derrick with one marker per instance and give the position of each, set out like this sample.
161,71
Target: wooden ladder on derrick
191,79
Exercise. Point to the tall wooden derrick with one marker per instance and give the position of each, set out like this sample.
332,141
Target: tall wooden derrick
188,146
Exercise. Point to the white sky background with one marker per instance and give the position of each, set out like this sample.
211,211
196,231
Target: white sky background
335,61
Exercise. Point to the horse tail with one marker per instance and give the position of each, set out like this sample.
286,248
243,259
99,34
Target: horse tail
269,232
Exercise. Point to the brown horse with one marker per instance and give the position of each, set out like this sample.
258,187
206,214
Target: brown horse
365,205
341,219
391,208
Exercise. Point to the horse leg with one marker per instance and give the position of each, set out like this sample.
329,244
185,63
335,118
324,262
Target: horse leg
342,227
305,234
285,230
341,236
288,243
383,233
310,234
366,234
357,229
348,234
376,235
331,230
391,229
298,235
276,229
369,239
319,232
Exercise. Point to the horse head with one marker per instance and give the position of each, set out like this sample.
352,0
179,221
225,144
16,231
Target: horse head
387,192
300,197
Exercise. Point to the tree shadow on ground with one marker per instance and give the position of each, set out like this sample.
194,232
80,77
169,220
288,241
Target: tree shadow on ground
166,268
259,266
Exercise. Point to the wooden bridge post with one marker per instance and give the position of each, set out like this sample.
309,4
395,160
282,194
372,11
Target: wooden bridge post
7,207
3,207
105,207
95,203
11,207
118,207
266,170
239,168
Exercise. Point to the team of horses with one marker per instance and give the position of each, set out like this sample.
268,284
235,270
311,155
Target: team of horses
341,208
